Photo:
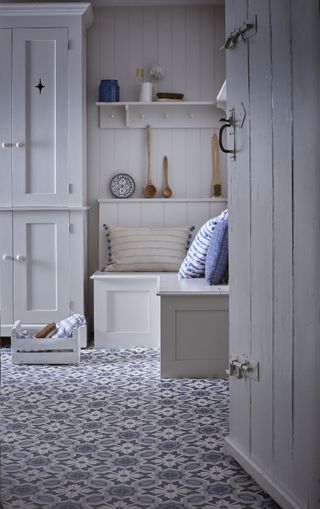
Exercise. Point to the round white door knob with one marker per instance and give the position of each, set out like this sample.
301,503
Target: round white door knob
19,144
20,258
7,257
6,144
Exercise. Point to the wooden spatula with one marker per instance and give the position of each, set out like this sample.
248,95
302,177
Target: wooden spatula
149,190
215,159
166,192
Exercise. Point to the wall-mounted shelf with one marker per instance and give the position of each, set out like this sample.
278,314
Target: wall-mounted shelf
160,114
219,199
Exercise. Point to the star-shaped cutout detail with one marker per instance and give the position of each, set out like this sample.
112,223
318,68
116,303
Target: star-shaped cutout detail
40,86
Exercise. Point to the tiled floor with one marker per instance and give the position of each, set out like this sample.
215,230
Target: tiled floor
111,434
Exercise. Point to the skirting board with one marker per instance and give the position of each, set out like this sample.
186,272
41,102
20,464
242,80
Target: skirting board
284,499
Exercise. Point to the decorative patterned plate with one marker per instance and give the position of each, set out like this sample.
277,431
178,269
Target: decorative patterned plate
122,185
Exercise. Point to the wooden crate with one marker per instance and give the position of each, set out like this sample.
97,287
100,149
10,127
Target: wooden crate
44,351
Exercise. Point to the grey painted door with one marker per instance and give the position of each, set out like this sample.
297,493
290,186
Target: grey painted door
274,187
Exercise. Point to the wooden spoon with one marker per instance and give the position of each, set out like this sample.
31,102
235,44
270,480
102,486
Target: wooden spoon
149,190
216,176
166,190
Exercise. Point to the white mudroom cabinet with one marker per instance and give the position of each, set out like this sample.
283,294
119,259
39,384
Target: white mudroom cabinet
43,212
35,145
41,251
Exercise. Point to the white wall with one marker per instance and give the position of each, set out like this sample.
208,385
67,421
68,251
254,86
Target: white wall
185,41
275,247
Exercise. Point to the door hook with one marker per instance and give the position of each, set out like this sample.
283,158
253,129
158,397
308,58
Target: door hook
222,128
229,122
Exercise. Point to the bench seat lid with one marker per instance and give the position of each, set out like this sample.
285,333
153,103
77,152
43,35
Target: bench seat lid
168,282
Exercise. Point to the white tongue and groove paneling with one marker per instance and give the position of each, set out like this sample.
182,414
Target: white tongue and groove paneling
5,123
154,213
282,206
189,155
306,250
185,41
261,236
40,120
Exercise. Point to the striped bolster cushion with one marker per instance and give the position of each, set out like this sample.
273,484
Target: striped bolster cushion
195,261
146,249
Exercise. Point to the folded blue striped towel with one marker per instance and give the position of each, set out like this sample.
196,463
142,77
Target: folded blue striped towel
65,327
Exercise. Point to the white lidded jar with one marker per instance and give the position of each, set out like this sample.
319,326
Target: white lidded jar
146,91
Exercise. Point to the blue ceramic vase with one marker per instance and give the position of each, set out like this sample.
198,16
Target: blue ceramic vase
109,91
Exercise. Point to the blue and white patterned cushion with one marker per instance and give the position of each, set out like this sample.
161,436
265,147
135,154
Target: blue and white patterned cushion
65,327
195,261
217,255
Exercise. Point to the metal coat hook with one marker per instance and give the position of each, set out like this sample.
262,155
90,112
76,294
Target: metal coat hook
246,30
230,41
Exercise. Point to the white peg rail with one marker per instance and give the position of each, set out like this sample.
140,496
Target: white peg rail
160,114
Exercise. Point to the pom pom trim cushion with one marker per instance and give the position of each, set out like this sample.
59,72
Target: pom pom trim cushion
146,249
217,255
195,261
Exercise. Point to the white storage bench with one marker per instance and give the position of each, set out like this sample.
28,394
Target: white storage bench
188,319
194,328
126,309
46,350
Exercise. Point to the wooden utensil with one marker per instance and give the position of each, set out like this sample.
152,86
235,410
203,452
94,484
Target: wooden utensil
215,158
149,190
166,192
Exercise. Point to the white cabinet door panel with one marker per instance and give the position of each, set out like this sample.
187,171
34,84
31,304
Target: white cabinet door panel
40,116
41,274
5,121
6,268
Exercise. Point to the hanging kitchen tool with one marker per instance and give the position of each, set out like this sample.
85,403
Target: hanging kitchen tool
149,190
215,159
166,192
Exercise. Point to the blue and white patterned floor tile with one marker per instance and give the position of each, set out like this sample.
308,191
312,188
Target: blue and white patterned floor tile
111,434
